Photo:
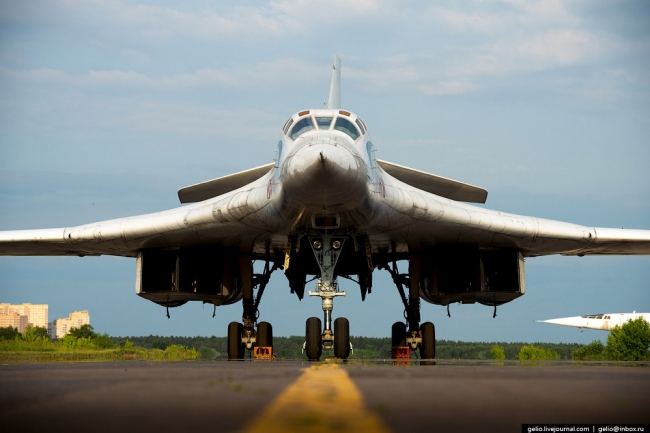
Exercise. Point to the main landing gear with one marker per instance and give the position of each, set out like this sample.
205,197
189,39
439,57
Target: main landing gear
415,336
245,336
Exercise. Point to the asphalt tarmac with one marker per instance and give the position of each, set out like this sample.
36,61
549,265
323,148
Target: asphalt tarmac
244,396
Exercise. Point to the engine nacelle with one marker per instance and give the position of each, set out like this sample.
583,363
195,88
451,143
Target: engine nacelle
173,277
470,275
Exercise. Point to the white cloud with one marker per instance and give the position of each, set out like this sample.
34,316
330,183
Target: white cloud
506,16
159,22
445,49
90,79
191,119
546,10
466,21
564,47
378,76
448,88
270,19
278,73
327,10
135,56
635,77
542,51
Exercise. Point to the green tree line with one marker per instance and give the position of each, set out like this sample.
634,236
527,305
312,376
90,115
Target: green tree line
80,344
364,347
624,343
629,342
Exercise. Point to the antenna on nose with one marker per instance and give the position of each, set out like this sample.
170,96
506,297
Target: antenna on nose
334,100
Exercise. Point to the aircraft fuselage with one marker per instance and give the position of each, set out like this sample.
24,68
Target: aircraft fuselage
601,322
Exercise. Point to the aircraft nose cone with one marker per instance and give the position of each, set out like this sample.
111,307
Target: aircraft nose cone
325,174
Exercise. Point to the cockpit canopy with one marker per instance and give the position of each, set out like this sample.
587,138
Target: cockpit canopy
338,120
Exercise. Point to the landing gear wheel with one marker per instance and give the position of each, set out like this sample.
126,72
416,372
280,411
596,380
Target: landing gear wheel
341,338
314,339
398,334
428,346
264,335
235,346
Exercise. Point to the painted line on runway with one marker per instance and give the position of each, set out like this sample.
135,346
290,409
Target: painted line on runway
322,399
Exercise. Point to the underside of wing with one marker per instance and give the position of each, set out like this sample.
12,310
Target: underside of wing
212,188
42,242
438,185
555,237
620,241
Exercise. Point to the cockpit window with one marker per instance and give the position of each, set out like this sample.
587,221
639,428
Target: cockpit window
360,125
301,127
288,125
344,125
324,122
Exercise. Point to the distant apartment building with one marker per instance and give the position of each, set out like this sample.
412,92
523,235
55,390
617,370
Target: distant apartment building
14,320
28,315
60,327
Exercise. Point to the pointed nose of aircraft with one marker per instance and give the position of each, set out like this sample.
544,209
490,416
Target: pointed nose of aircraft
325,173
566,321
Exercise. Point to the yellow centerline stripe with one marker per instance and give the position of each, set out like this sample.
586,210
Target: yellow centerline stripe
322,399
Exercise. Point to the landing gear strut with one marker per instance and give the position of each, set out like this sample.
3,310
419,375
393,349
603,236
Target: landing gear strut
422,337
241,337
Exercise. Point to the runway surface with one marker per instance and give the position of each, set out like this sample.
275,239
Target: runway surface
292,396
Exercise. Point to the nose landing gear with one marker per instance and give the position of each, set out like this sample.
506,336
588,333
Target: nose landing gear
327,249
339,340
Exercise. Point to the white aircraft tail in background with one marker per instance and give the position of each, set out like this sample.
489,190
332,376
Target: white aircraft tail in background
602,322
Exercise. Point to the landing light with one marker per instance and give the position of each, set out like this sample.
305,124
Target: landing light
336,245
318,244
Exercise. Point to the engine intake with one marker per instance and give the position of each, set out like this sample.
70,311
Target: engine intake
470,275
172,278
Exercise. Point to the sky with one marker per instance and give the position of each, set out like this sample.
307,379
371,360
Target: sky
107,108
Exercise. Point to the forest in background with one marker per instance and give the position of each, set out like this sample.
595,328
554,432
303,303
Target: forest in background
629,342
364,347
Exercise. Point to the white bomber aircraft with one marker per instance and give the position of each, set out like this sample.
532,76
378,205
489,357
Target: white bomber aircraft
328,208
602,322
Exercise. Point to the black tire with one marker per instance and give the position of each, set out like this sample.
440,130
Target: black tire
428,347
398,334
264,335
342,338
314,338
235,346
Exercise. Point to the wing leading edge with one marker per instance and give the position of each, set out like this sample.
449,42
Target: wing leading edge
217,216
431,219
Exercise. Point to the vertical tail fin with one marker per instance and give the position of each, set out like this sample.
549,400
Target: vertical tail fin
334,100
